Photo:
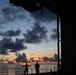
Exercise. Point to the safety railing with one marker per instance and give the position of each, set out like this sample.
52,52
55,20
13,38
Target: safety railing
20,71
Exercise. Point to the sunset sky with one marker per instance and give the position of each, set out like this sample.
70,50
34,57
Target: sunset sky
22,32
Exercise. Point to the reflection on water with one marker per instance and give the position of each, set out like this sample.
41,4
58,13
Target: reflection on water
12,69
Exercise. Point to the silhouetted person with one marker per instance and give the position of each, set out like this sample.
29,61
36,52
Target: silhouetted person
26,69
37,66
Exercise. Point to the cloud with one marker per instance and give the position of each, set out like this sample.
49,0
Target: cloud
54,58
3,51
45,58
46,17
36,35
8,45
11,14
21,58
54,34
1,27
11,33
28,20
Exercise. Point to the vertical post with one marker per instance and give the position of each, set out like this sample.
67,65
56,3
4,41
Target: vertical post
7,71
54,69
15,72
46,69
58,39
50,70
31,71
42,70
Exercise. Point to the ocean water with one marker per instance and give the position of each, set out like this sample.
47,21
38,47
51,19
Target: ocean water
12,69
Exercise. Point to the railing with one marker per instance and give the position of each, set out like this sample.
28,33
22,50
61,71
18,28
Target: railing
20,71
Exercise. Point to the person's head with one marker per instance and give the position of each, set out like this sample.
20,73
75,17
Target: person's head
26,63
36,62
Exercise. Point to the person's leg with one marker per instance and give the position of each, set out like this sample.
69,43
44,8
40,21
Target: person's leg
24,72
27,72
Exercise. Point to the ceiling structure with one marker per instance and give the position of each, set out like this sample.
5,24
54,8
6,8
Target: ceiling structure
35,5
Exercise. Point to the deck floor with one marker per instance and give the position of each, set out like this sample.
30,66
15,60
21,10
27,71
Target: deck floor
49,73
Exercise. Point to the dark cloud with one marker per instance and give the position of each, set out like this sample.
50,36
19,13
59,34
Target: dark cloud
32,59
47,16
54,34
11,33
10,14
28,20
21,58
3,51
1,27
36,35
45,58
54,58
13,46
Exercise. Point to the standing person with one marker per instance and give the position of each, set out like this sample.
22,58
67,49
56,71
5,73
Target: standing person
37,66
26,69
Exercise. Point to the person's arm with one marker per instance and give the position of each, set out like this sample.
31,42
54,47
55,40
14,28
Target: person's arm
39,66
29,65
23,65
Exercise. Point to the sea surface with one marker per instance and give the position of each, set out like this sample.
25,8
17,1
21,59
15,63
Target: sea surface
14,69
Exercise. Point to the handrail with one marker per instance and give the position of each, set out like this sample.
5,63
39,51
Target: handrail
20,71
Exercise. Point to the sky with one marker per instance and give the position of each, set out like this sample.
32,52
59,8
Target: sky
25,34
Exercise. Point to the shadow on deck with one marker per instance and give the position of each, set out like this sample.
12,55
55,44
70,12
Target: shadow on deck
49,73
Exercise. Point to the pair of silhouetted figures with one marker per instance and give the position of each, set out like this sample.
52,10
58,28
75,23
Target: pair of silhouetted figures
37,66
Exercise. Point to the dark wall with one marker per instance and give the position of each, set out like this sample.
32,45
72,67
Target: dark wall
68,38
